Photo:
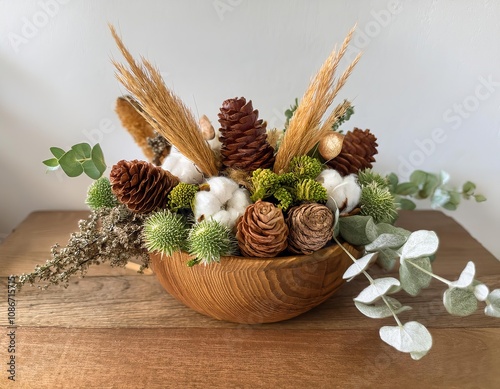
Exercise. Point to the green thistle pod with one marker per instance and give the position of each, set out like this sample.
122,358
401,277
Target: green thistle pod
100,195
182,196
310,190
379,203
209,240
164,232
367,176
305,167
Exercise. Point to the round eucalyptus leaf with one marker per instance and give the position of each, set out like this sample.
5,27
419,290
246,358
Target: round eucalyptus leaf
411,337
420,243
466,277
459,302
378,288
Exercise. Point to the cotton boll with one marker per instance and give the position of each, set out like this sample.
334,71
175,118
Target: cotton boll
330,179
206,204
226,217
352,192
181,167
239,201
222,188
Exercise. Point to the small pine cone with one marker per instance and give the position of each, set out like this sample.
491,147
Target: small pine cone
141,186
262,231
357,152
310,226
243,137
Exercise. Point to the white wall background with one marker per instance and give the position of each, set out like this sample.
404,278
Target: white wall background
424,67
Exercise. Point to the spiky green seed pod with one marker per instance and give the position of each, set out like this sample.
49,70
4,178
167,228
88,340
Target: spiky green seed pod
209,240
367,176
378,202
164,232
100,195
182,196
304,166
284,197
310,190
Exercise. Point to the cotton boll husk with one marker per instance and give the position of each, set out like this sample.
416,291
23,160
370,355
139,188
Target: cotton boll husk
206,204
183,168
330,179
239,201
352,192
222,188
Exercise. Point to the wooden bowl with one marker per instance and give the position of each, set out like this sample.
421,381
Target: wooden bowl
255,290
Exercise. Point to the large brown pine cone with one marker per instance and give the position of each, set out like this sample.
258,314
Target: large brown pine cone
141,186
262,231
357,152
243,137
310,227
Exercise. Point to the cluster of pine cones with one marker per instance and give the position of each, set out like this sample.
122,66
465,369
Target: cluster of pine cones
263,230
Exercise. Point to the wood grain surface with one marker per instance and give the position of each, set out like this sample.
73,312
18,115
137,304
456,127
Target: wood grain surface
255,290
118,329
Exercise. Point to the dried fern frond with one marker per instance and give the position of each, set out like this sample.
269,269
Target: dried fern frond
305,129
165,111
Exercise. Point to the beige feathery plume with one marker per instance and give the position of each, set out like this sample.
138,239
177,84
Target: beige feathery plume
305,129
166,112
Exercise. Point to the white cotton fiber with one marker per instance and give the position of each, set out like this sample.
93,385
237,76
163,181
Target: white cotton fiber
352,192
239,201
330,179
222,188
206,204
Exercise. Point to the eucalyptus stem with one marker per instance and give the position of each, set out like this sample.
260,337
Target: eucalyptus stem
371,281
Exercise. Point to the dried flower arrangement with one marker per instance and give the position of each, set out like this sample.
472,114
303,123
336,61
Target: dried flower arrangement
258,193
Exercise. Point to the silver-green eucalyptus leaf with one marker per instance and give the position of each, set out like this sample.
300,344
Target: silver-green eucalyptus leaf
381,310
460,302
481,292
411,337
385,241
466,277
378,288
420,243
359,266
412,279
387,258
493,304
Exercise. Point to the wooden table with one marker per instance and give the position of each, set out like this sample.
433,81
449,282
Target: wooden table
118,329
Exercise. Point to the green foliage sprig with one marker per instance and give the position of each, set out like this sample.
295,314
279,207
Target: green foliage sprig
413,251
424,185
81,158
